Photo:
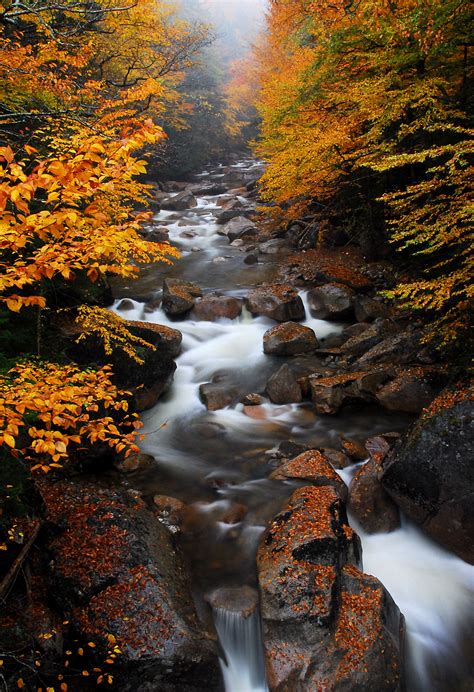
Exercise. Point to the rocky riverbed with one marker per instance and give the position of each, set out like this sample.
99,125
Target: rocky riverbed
295,427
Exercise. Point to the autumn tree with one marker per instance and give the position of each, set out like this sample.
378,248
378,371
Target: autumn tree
365,109
84,92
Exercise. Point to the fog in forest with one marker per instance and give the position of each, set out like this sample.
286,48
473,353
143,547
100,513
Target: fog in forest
235,22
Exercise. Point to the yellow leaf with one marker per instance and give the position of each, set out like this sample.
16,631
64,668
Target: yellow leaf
9,440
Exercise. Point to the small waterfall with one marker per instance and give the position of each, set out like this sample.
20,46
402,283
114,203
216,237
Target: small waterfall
241,640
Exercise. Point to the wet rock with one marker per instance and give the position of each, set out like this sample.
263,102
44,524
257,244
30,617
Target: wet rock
225,199
179,297
331,302
273,247
354,450
329,394
146,380
208,190
326,625
174,186
158,235
238,228
170,512
208,430
368,309
164,338
216,396
125,305
280,302
355,329
251,259
253,400
360,344
212,308
234,514
180,202
379,446
288,449
370,503
242,600
400,349
311,466
283,388
337,459
234,208
431,475
412,390
289,339
117,573
135,462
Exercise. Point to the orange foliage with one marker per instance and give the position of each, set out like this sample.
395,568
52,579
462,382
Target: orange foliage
371,96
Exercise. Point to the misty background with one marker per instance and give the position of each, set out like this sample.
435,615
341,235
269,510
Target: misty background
203,135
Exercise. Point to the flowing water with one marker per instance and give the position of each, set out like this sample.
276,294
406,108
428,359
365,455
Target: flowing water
218,463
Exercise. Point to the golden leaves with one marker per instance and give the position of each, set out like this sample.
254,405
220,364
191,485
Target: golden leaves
69,408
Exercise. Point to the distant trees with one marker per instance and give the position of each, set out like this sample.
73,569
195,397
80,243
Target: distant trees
365,109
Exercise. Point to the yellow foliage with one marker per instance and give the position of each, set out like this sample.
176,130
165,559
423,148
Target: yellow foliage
111,330
47,409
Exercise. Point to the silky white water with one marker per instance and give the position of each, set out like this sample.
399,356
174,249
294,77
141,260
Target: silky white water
432,588
241,639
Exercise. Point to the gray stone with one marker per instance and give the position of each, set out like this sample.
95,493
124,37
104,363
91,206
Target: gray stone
212,308
179,296
289,339
180,202
331,302
283,388
370,503
278,301
431,475
216,396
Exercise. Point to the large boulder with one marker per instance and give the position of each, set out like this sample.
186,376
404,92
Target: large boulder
117,575
150,374
216,396
180,202
359,344
412,390
208,189
234,208
368,309
239,227
370,503
289,339
212,308
431,475
273,247
331,302
280,302
330,394
326,625
158,235
400,349
164,338
311,466
179,296
283,387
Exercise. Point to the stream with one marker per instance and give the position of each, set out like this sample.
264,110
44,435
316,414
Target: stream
218,461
